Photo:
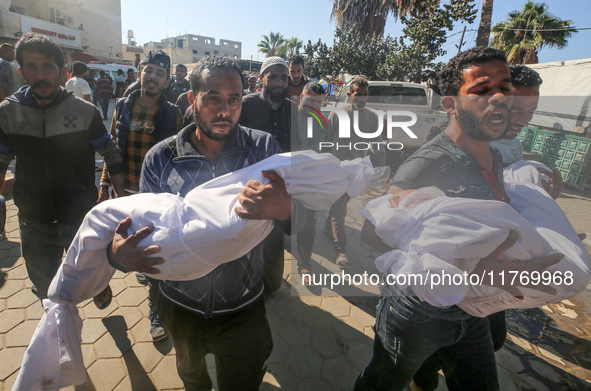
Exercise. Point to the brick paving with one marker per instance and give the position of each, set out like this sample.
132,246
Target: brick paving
322,338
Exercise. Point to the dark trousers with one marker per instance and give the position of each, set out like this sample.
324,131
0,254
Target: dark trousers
335,223
43,246
427,377
241,343
273,260
407,334
104,101
304,242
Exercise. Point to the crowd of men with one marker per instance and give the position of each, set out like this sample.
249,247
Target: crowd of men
224,124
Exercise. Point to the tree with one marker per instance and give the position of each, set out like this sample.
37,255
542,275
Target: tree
270,44
485,21
290,47
368,17
425,33
411,57
293,46
526,32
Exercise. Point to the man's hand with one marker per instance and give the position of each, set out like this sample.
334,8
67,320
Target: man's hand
554,184
265,202
103,194
495,262
126,253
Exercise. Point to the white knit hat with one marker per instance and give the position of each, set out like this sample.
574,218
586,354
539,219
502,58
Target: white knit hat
269,62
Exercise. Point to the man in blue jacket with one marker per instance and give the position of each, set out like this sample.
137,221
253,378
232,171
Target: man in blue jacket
223,312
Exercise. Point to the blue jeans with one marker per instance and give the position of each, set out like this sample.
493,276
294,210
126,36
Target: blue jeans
43,246
408,331
104,101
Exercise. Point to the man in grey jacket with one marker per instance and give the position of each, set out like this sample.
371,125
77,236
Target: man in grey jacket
55,136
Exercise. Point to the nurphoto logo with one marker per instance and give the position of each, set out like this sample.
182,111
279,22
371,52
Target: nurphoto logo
394,119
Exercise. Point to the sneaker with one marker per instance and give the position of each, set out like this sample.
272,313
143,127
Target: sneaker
141,278
157,331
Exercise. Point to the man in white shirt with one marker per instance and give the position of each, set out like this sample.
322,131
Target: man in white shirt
77,85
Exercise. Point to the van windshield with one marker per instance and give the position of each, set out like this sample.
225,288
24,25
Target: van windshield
398,95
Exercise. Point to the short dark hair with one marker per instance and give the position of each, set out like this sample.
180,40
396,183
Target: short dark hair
181,65
5,46
360,81
130,70
37,43
315,87
120,71
295,60
522,76
451,75
102,73
209,63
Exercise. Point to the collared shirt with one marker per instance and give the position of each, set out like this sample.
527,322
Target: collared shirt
257,113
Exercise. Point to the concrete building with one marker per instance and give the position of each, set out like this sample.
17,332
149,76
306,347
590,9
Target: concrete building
86,30
197,47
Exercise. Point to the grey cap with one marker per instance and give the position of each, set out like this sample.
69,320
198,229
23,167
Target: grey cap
269,62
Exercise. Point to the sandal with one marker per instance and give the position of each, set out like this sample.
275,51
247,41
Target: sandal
306,281
103,299
343,262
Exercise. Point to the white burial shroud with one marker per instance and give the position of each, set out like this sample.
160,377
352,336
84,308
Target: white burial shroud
436,235
197,233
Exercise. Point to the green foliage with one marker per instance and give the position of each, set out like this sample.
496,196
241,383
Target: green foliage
410,57
275,44
522,35
270,44
425,33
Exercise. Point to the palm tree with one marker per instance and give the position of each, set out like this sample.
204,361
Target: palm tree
293,46
270,43
485,21
368,17
527,31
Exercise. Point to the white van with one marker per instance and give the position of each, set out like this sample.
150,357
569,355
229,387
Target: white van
111,68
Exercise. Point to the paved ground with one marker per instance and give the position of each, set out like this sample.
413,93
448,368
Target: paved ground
322,337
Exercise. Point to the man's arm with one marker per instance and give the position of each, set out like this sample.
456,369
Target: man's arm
554,184
103,144
265,202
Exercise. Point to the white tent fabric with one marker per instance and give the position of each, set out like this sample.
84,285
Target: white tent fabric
563,94
196,233
442,235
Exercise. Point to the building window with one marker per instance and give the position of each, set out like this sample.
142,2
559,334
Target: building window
216,52
225,43
235,57
235,46
194,51
207,53
195,39
208,41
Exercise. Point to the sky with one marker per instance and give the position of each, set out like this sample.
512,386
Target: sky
248,21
